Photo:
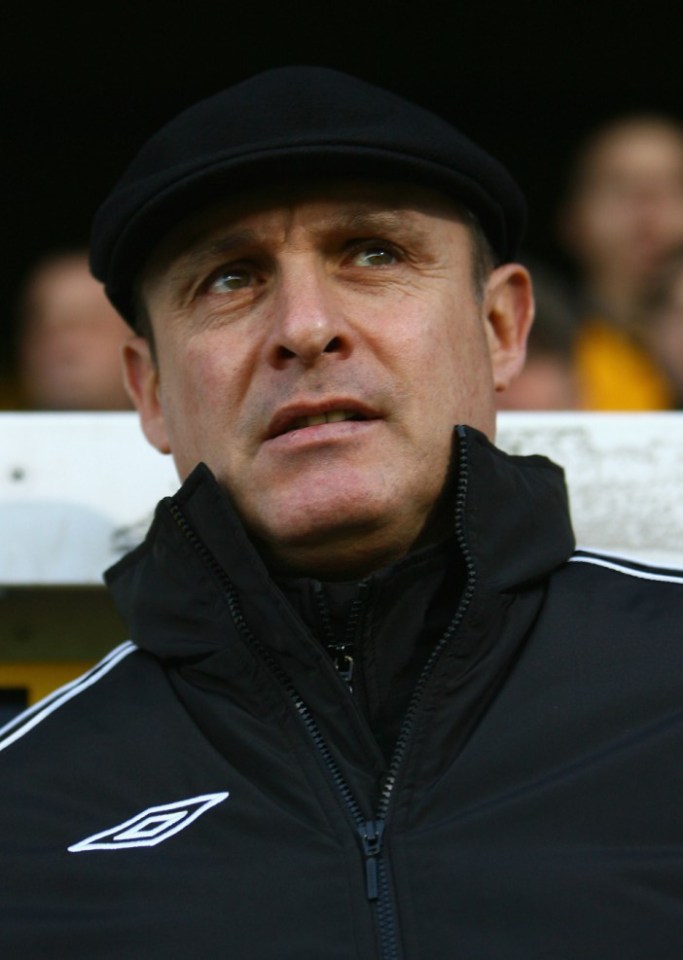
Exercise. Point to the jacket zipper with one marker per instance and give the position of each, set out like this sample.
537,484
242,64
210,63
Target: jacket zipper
388,925
341,650
371,832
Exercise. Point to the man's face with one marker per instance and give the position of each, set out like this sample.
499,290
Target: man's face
315,349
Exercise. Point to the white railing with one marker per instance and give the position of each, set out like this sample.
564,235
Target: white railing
78,490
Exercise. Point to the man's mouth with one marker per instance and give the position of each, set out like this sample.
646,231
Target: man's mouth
315,419
289,420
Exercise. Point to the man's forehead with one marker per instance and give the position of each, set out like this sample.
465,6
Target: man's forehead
336,204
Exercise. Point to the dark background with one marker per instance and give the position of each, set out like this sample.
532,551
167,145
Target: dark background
82,87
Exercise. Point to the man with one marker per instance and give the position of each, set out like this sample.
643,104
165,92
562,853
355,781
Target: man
370,709
622,216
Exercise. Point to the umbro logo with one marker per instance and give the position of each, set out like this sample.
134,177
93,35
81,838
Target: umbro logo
152,826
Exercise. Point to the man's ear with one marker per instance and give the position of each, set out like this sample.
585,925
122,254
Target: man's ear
141,377
508,313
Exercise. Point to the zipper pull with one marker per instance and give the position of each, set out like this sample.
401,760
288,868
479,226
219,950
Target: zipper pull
344,664
372,834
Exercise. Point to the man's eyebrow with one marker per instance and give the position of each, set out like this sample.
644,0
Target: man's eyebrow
194,253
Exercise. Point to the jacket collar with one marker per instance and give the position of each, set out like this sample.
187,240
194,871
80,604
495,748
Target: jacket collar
174,591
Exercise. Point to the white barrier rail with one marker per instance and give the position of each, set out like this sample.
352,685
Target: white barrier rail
78,490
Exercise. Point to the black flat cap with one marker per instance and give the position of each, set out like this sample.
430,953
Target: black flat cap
291,121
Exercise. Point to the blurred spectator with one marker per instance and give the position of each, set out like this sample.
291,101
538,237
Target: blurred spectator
622,215
548,380
70,339
662,319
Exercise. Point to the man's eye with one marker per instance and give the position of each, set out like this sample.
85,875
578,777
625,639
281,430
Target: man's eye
376,256
229,278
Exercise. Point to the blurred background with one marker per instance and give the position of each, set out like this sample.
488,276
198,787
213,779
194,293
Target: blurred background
583,102
83,86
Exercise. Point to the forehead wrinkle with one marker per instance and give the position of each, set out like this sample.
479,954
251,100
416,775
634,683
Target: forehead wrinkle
361,219
210,240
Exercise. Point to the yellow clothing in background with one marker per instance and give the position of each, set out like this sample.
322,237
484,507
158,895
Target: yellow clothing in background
616,373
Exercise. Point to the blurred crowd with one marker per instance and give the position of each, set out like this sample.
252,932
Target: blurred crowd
69,340
608,334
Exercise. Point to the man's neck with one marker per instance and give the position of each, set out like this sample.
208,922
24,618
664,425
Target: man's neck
359,553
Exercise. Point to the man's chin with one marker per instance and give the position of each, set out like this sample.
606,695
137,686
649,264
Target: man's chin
330,542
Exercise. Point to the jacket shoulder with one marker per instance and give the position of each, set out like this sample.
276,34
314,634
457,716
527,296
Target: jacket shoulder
633,568
613,601
55,716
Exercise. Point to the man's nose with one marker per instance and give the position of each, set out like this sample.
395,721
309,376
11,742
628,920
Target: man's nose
309,320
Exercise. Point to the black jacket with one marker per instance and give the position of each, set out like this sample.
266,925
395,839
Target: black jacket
214,790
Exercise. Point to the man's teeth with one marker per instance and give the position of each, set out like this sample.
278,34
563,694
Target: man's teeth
332,416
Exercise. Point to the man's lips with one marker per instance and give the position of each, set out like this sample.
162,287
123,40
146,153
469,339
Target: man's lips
312,415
